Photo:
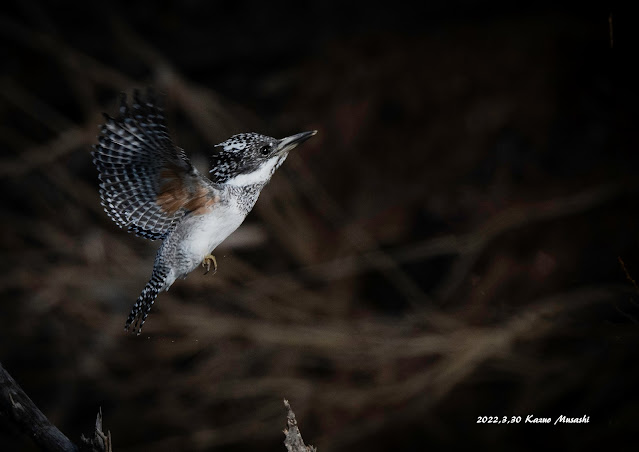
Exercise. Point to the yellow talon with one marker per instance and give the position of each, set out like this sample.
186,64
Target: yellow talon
207,263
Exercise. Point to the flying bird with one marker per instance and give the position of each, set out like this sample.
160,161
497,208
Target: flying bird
149,186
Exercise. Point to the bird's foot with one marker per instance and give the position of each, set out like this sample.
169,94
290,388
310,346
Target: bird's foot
207,263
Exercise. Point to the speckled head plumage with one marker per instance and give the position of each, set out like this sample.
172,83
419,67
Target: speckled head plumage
250,158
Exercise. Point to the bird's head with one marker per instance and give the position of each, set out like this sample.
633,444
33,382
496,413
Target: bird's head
251,158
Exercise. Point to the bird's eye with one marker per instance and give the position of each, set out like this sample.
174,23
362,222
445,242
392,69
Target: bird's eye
265,150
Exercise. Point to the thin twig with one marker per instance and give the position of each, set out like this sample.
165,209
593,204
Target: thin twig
627,273
611,31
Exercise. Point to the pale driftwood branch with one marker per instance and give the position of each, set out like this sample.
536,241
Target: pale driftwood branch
17,409
294,441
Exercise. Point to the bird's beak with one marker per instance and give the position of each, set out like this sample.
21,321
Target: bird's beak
288,143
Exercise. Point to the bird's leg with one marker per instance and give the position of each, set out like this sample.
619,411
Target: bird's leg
207,263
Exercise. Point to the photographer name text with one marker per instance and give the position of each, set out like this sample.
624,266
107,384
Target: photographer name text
532,419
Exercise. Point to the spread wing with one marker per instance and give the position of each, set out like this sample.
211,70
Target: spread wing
147,184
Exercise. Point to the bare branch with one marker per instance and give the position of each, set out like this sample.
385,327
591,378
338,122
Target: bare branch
16,407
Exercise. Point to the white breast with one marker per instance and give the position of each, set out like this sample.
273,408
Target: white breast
207,231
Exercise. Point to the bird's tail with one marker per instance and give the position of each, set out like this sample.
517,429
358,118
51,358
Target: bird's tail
142,306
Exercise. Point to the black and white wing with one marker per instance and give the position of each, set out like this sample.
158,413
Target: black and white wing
147,184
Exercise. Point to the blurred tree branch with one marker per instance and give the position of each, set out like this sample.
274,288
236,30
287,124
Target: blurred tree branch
17,408
466,247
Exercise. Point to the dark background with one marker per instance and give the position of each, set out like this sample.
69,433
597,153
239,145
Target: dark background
459,240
